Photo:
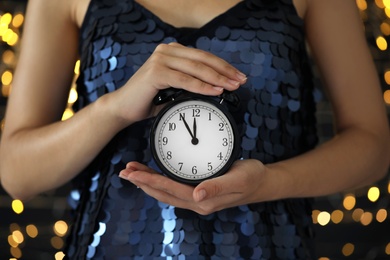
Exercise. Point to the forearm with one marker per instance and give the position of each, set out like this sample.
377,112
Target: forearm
351,159
46,157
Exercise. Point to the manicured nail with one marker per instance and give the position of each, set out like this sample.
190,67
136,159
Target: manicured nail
124,175
241,76
234,83
219,89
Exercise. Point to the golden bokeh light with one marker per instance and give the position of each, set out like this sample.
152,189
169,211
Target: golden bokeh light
387,77
16,252
373,194
337,216
381,43
349,201
323,218
387,249
357,214
381,215
68,113
59,256
32,231
385,28
77,68
348,249
13,40
379,3
18,20
8,57
18,236
366,218
362,4
17,206
314,215
12,242
6,19
6,77
60,228
57,242
386,97
73,96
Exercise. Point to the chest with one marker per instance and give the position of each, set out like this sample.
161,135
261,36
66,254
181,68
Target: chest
184,13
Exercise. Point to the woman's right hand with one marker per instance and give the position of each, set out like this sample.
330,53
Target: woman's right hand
174,65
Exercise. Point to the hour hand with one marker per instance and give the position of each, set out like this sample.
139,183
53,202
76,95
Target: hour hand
194,140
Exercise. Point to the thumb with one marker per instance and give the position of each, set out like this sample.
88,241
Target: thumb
207,189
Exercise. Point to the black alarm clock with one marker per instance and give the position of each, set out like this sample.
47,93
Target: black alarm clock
194,137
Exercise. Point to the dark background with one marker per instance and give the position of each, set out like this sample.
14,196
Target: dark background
356,236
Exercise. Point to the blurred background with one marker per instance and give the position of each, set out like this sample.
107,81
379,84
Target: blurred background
350,225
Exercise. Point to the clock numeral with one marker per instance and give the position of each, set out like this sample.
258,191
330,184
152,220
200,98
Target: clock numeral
182,117
225,142
209,167
180,165
196,112
165,140
171,127
194,170
169,155
220,156
221,127
209,116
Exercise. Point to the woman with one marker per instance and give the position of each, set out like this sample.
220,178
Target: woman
131,50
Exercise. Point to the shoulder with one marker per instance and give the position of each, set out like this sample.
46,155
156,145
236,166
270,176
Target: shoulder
300,6
78,10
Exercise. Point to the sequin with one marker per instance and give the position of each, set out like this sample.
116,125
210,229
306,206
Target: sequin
262,38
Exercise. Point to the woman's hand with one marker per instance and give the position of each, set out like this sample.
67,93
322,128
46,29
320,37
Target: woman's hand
174,65
240,185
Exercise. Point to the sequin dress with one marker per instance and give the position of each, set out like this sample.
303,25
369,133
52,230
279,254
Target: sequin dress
114,219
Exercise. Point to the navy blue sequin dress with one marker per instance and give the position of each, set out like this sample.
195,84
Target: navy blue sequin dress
114,219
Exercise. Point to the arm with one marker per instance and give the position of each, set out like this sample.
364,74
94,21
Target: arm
358,154
35,144
39,152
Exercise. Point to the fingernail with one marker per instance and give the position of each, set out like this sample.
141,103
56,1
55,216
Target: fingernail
241,76
220,89
201,195
234,83
124,175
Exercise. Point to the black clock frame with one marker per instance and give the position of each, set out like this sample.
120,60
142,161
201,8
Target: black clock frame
211,100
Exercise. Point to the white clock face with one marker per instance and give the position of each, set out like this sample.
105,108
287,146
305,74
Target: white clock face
194,140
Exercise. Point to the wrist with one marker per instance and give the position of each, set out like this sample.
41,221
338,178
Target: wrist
109,113
278,181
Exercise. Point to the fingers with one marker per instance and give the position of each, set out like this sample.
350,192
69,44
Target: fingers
237,187
154,183
198,71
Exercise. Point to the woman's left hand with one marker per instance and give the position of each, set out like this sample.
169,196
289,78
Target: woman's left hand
240,185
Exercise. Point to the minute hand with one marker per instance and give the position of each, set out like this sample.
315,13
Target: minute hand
186,125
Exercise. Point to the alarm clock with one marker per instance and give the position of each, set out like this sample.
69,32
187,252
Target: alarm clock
194,137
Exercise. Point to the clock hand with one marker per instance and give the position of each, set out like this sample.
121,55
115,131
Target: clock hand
186,125
194,140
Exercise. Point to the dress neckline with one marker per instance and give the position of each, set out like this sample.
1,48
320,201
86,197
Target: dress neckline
184,30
